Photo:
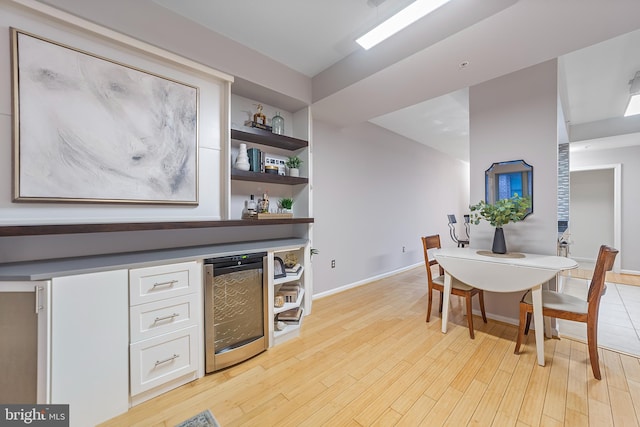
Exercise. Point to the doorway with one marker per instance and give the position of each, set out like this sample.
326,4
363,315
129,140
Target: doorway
594,219
594,212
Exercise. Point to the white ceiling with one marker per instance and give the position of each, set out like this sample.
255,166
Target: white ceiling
312,36
307,36
413,83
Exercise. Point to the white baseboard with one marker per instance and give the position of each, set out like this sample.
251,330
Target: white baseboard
632,272
498,318
365,281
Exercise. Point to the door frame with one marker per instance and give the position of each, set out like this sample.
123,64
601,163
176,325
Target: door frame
617,202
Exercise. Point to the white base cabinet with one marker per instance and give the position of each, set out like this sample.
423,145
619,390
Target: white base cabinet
111,339
165,328
164,358
89,346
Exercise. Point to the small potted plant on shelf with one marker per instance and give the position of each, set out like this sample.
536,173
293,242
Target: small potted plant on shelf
286,204
293,163
502,212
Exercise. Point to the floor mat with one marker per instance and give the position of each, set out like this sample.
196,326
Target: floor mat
203,419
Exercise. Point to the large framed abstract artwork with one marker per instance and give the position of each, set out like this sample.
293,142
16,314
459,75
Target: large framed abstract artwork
90,129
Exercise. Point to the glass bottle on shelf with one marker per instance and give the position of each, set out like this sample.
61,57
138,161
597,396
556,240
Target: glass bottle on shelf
277,124
251,205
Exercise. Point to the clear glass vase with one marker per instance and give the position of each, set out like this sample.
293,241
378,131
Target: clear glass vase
277,124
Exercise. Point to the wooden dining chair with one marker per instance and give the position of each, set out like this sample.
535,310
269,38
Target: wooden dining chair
457,287
568,307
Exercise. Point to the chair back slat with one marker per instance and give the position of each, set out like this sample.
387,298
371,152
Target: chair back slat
430,242
604,263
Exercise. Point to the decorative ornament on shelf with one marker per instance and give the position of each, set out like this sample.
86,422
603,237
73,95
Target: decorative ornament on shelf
293,163
242,161
290,260
504,211
277,124
259,117
263,204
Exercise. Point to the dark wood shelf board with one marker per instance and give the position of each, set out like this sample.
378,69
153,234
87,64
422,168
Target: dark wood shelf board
263,137
270,178
42,230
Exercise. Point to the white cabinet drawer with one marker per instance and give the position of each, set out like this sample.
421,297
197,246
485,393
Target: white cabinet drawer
164,281
158,360
160,317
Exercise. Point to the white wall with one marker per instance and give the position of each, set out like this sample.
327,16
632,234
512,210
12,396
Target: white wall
591,212
149,21
515,117
24,248
211,109
375,192
629,158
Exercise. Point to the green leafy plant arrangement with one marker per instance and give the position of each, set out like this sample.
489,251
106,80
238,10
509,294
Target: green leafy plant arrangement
286,203
502,212
293,162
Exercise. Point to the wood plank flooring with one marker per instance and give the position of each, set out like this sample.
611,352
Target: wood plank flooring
366,357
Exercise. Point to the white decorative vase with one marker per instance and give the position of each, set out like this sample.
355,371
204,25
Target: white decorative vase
242,161
294,172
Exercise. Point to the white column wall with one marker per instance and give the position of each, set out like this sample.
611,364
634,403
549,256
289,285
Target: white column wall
511,118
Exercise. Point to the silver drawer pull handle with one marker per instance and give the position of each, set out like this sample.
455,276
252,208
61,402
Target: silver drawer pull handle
169,317
160,362
169,283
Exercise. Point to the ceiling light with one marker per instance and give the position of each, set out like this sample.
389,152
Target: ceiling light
400,20
633,107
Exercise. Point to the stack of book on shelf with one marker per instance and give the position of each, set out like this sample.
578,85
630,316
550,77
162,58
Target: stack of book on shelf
291,317
293,270
290,291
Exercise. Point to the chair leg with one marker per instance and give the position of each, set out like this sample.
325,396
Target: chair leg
592,342
528,324
470,316
429,304
441,298
521,325
481,299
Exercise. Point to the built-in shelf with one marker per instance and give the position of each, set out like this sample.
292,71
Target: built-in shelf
271,178
263,137
41,230
290,305
288,278
291,330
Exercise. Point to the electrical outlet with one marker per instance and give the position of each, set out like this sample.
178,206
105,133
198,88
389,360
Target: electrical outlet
333,263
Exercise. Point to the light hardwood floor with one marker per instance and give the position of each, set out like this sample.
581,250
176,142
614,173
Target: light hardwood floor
366,357
625,279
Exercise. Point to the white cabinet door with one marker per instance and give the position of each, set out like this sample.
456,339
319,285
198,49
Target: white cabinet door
89,345
20,378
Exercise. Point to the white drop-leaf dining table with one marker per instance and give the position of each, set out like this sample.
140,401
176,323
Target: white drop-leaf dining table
501,273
